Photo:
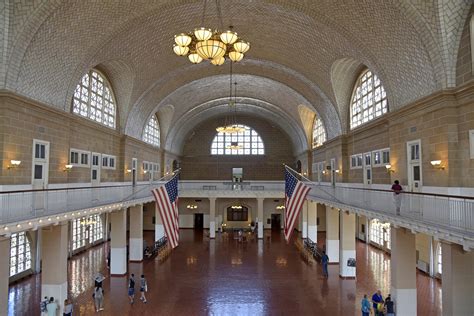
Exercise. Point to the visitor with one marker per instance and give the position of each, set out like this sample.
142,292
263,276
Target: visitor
365,306
43,305
52,307
98,296
131,288
324,261
389,306
397,197
143,288
377,301
67,307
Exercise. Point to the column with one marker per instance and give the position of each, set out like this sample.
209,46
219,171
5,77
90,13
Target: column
347,223
458,280
304,219
260,217
118,242
159,228
403,271
55,253
136,233
312,221
4,273
332,234
212,217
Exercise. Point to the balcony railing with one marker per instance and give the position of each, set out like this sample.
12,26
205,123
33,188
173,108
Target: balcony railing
234,186
452,212
23,205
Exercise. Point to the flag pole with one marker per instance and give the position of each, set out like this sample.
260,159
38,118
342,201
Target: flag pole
296,172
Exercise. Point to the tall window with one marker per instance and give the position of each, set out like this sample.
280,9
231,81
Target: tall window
249,141
20,253
151,134
439,257
93,99
369,99
86,230
380,233
319,133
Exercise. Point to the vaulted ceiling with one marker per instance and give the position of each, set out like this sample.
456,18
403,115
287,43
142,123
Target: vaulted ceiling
304,53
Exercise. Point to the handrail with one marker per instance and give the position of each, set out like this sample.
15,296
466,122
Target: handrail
402,192
77,188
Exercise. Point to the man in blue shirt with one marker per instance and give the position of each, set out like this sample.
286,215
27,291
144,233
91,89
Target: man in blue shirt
324,261
376,300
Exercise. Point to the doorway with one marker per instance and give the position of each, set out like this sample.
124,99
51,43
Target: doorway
40,172
414,165
134,171
276,222
95,169
198,221
367,167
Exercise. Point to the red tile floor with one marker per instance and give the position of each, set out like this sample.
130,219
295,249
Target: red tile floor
225,277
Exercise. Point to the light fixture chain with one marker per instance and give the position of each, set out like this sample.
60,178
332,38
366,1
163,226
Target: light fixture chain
203,13
219,14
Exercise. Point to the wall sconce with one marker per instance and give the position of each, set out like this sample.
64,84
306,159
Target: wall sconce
191,206
128,171
338,171
280,207
14,164
145,171
389,168
437,164
324,172
67,168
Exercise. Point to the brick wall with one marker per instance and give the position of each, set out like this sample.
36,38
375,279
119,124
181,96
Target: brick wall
197,163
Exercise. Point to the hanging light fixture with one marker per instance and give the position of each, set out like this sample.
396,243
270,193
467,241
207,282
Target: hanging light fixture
210,45
230,122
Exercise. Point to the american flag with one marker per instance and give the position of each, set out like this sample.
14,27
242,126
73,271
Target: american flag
295,193
166,198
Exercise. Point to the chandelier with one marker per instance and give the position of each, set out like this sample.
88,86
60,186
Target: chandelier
191,206
204,43
236,207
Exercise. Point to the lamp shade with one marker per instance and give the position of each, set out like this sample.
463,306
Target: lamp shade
218,61
242,46
182,39
229,37
180,50
236,56
194,58
210,49
202,33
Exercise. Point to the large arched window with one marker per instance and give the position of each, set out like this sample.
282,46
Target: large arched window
20,253
151,135
369,99
249,141
319,133
93,99
86,230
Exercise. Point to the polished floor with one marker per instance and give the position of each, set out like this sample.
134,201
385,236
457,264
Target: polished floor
226,277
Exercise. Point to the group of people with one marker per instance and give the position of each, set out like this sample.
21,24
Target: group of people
131,288
380,306
49,307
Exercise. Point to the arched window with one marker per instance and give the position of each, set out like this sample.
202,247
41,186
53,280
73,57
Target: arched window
151,135
249,141
20,253
319,133
86,230
369,99
93,99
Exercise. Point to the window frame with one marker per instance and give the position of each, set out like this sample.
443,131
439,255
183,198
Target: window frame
79,153
367,96
250,139
25,254
320,130
77,109
106,157
358,159
149,137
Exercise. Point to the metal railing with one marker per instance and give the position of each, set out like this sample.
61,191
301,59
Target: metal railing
27,204
453,212
234,186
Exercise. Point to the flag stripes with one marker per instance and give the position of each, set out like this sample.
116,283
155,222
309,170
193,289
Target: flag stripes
166,197
295,193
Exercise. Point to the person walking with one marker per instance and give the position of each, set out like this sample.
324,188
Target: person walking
98,298
389,306
365,306
52,307
43,305
131,288
397,197
324,261
143,288
67,307
377,301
